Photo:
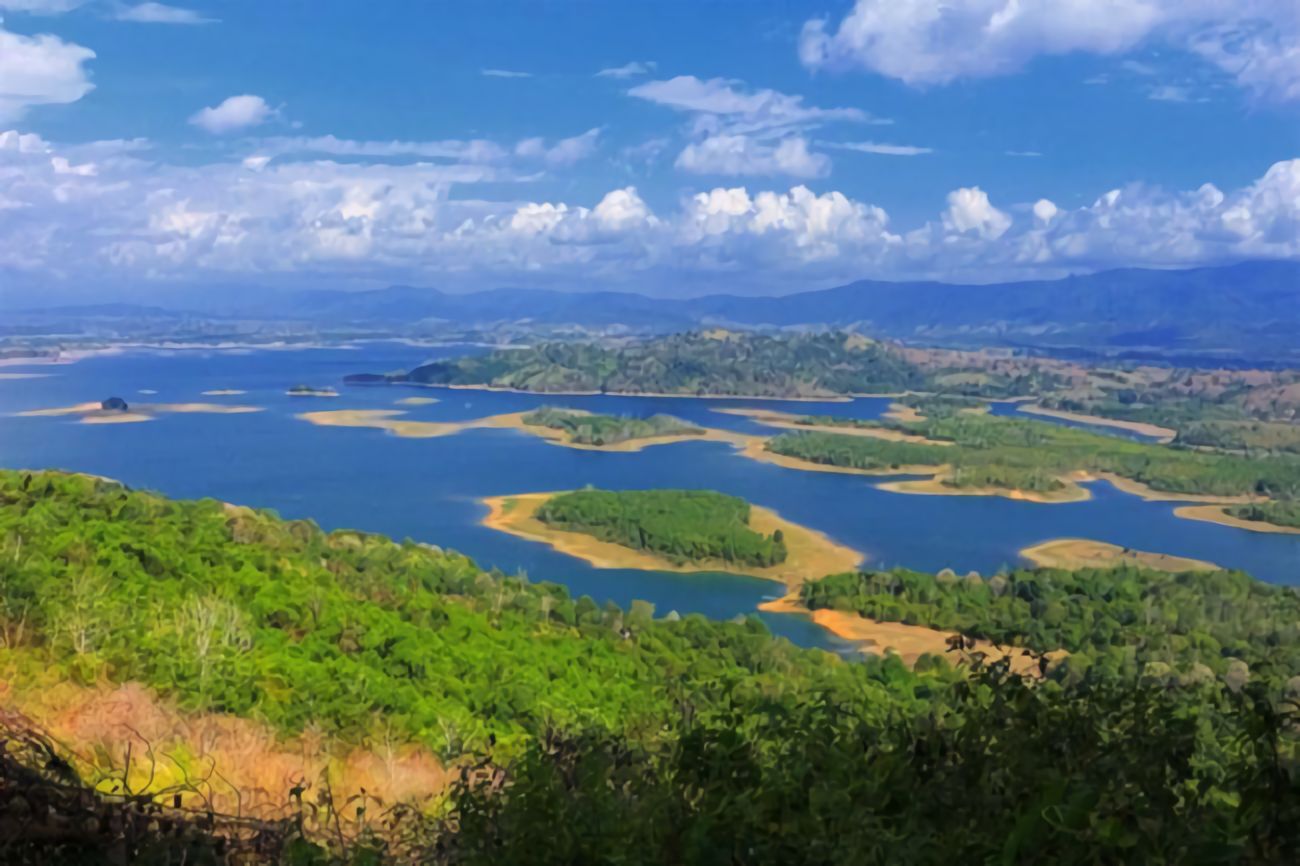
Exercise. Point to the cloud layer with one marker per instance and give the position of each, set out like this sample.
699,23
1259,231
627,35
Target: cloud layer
40,70
107,211
926,42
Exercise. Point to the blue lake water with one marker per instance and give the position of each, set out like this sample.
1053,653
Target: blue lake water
430,489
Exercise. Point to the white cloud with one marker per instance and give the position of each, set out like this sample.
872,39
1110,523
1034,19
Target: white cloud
932,42
40,70
564,152
878,148
735,131
1169,93
628,70
233,114
744,155
1027,154
473,150
107,212
40,7
504,73
969,210
160,13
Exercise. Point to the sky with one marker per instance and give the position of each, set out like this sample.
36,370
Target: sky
672,147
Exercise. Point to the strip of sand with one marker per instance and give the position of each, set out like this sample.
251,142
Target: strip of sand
1076,553
909,642
94,413
224,392
1217,514
936,486
790,421
809,552
416,401
1162,435
755,448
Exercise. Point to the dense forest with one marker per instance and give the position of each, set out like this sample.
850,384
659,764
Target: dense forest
587,733
720,363
1122,621
1277,513
588,429
684,526
991,451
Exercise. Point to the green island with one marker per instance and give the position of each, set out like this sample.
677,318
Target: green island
584,428
709,363
681,525
990,452
1126,621
597,729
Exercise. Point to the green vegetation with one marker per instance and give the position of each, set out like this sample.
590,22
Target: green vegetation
1250,436
236,611
811,365
593,734
587,429
990,451
1124,621
1277,513
683,526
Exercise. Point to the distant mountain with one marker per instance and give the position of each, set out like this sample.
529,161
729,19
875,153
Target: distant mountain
1253,306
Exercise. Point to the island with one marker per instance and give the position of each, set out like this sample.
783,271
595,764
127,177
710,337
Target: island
714,363
576,427
115,410
310,391
670,530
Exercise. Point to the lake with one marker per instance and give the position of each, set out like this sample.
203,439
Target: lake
429,489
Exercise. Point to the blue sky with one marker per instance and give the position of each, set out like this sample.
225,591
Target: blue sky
753,146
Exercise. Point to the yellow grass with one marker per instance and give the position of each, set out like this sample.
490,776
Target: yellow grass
809,553
1160,434
1075,553
906,414
1216,514
239,764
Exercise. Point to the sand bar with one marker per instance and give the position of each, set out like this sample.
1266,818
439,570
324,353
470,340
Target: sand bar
1160,434
224,392
790,421
1075,553
93,413
936,486
809,553
415,401
1217,514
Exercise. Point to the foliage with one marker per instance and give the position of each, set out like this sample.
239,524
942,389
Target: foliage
1122,621
1277,513
233,610
805,365
1026,454
685,526
588,429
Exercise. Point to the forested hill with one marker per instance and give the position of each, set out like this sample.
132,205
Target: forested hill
579,733
705,363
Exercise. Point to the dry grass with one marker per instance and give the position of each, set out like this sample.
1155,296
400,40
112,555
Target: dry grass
1075,553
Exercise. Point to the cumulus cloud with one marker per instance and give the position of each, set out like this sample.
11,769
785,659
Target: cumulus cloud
743,154
160,13
40,70
925,42
233,114
628,70
566,151
109,210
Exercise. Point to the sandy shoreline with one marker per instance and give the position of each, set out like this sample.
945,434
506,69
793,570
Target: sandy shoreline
1076,553
809,552
1162,435
909,642
1217,514
935,486
789,421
